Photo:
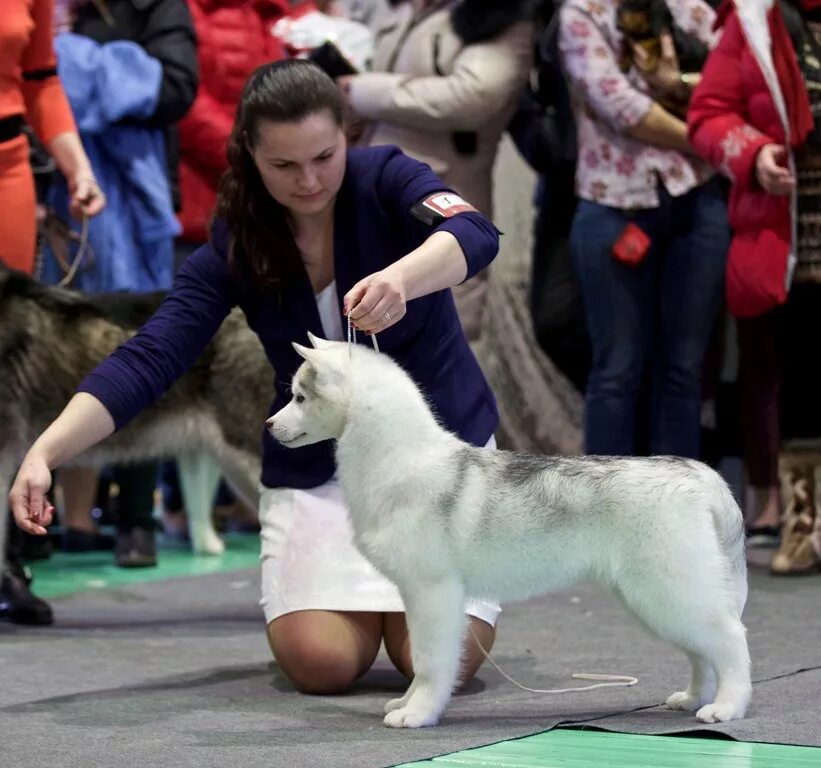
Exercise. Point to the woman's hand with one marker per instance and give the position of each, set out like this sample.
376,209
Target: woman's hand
354,125
772,170
85,196
354,122
665,78
377,302
343,82
27,499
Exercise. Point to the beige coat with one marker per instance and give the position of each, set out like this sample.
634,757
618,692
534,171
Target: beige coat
428,93
426,85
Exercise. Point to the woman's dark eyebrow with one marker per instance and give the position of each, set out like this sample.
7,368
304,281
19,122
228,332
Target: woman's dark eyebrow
286,160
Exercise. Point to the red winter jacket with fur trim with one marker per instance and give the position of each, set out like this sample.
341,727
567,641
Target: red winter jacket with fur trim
234,38
737,109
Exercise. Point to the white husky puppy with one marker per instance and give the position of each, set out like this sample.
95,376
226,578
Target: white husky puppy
444,521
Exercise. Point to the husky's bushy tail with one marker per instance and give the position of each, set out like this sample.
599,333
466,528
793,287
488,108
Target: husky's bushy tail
729,524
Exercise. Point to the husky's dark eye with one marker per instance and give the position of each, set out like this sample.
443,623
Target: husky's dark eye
299,398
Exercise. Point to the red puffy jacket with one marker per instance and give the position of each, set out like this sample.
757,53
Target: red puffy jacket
732,115
234,38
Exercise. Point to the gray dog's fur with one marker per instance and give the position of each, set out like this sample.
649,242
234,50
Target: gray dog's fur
211,419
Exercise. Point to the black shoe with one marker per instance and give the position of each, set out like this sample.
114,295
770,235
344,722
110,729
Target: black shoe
75,540
136,548
17,603
763,536
36,547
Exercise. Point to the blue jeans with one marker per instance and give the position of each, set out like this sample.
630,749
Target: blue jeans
650,323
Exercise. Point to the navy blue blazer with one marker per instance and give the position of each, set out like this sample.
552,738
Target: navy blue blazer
373,227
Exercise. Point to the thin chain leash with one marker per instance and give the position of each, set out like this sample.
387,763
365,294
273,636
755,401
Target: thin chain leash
352,337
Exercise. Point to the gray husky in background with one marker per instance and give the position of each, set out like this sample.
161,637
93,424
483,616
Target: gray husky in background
210,420
444,521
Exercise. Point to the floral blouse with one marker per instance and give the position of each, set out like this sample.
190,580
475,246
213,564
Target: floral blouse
614,169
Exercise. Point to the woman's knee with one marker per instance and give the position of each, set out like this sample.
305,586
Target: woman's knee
397,644
317,668
483,635
323,654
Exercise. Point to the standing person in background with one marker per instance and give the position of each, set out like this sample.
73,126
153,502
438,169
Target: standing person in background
650,235
545,134
30,92
165,31
234,39
446,80
130,71
757,116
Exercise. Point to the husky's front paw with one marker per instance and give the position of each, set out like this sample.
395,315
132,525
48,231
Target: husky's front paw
403,701
684,700
720,712
209,544
395,704
407,717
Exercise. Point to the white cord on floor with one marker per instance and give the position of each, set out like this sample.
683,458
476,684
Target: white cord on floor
609,681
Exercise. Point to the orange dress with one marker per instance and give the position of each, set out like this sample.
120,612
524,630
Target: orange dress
30,91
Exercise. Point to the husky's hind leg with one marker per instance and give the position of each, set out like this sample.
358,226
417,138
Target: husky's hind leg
6,478
703,622
726,648
436,622
241,471
10,460
199,478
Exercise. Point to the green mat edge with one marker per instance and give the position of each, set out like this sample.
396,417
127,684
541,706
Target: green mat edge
722,749
65,575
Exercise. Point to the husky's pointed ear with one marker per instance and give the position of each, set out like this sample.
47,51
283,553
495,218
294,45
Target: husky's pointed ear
306,353
318,343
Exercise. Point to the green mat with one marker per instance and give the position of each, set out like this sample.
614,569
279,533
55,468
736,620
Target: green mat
593,749
65,574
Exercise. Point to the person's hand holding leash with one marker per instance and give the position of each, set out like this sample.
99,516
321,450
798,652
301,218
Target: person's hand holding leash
27,499
377,302
86,197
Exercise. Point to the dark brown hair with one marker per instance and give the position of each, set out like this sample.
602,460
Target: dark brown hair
262,246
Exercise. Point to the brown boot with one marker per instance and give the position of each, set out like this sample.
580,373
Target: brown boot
798,554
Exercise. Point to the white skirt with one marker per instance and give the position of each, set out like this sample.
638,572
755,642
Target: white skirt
309,561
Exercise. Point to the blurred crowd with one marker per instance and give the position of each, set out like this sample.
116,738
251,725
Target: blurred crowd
677,242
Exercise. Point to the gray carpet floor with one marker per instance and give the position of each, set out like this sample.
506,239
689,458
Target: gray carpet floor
178,673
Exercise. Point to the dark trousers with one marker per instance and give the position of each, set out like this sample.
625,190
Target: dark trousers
135,504
779,398
650,323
